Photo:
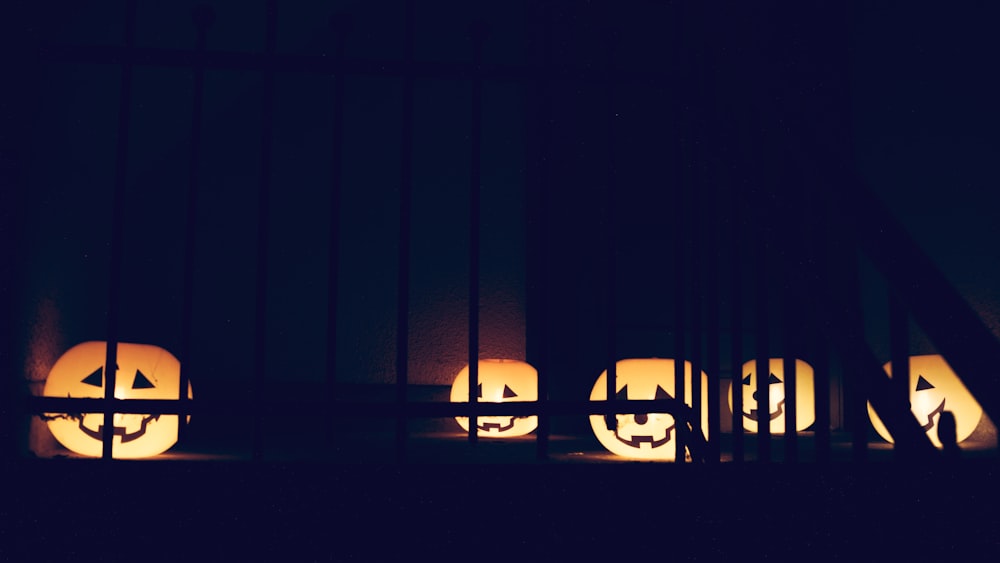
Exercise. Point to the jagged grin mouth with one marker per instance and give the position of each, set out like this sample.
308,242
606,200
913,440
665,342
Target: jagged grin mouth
771,416
496,426
930,416
637,441
119,430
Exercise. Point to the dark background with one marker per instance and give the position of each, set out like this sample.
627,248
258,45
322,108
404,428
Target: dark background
902,93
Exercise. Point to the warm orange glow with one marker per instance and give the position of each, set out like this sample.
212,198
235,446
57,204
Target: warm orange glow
144,372
805,396
934,388
500,381
645,435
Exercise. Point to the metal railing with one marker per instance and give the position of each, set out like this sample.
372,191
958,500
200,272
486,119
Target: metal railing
733,260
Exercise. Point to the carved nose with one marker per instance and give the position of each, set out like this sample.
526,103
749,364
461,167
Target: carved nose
641,419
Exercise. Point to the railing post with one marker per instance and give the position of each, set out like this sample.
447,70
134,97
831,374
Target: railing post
117,231
536,214
263,224
899,355
203,17
405,208
762,351
610,232
478,31
339,26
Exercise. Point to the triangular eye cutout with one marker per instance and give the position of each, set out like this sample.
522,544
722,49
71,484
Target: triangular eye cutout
661,393
479,390
96,379
508,392
622,393
141,381
772,379
746,380
923,383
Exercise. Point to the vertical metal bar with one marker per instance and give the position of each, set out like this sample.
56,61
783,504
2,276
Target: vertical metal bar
821,372
697,132
899,355
736,314
712,347
203,17
855,381
405,205
117,232
537,329
680,203
610,228
789,298
679,268
339,26
478,31
696,312
711,221
762,351
694,235
263,198
791,406
816,241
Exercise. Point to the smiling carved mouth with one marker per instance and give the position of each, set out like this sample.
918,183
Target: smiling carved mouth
119,430
930,416
636,441
491,426
771,416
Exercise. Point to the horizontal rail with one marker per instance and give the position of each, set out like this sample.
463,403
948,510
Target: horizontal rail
323,64
39,405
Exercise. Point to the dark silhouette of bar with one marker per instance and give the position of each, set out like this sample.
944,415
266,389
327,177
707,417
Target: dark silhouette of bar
117,234
339,26
791,441
478,34
203,17
899,353
611,227
762,351
832,316
538,206
737,271
405,209
263,224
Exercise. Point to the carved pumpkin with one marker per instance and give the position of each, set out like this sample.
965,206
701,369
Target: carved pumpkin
935,388
143,372
805,396
500,381
645,435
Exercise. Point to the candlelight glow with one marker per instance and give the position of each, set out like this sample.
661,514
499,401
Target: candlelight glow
805,396
143,372
500,381
935,388
645,435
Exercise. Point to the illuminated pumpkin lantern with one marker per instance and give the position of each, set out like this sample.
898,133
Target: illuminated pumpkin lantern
805,397
935,388
500,381
143,372
645,435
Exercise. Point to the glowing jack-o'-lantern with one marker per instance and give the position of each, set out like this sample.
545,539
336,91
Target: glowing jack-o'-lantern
935,388
143,372
805,398
500,381
645,435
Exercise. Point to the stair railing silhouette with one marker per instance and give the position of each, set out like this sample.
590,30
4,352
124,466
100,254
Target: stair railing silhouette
916,287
